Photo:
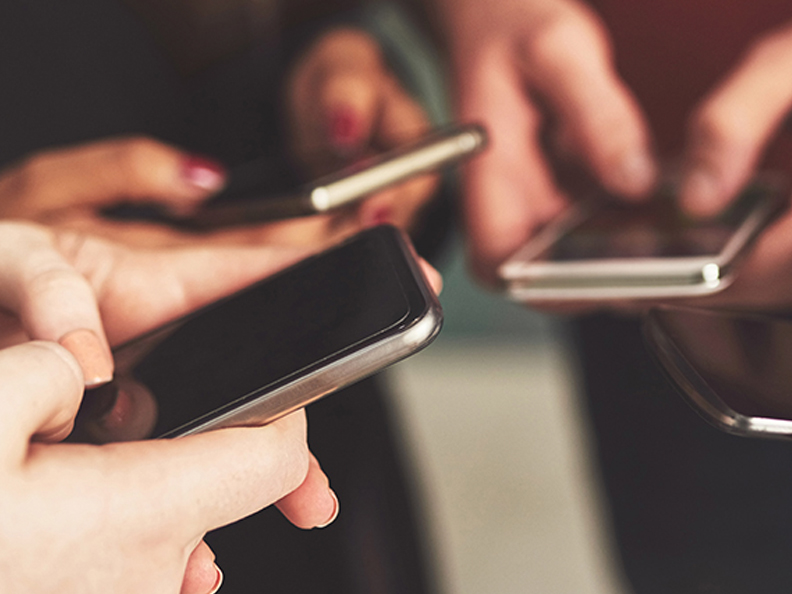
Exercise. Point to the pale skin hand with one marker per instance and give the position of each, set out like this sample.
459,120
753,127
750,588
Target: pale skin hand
55,283
506,53
344,104
127,518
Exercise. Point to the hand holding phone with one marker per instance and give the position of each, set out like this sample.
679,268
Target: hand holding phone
248,199
607,250
272,348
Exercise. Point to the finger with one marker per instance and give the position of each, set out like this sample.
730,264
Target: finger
509,188
730,129
333,96
39,396
202,575
400,121
401,118
160,285
434,278
105,172
51,299
201,482
567,59
313,504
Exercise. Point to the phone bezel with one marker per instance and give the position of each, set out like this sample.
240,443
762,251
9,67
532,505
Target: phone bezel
695,390
528,280
380,348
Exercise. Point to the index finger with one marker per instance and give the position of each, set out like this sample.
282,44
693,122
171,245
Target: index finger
51,299
567,58
509,189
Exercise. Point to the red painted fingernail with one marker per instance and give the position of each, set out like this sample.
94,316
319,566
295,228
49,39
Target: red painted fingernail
345,128
381,215
203,173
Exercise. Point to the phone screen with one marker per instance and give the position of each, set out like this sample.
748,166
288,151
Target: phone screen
743,359
655,229
304,317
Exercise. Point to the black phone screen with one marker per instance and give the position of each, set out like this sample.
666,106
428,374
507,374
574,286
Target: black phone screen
303,317
743,359
655,229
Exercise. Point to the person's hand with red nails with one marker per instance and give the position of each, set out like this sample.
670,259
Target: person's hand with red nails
69,186
344,104
125,517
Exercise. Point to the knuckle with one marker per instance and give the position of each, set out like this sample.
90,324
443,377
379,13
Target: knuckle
720,124
557,38
137,157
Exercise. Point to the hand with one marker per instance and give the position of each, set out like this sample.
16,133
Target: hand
72,288
732,127
56,282
129,517
506,54
68,187
344,104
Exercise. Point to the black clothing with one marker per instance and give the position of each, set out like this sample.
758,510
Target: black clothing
694,510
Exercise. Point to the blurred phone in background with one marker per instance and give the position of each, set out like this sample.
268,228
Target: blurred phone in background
733,368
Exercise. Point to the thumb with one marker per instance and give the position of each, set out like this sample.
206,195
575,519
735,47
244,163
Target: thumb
135,169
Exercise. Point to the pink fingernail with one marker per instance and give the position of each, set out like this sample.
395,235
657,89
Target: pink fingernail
218,582
94,359
202,173
333,515
345,128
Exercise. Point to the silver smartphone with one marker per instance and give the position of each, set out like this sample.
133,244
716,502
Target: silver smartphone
248,197
604,249
733,368
273,348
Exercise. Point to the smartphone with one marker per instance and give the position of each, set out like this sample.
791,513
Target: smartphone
733,368
248,196
275,347
604,249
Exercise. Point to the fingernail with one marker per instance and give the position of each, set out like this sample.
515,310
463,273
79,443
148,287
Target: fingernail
373,217
218,582
334,515
700,191
344,128
636,173
92,355
202,173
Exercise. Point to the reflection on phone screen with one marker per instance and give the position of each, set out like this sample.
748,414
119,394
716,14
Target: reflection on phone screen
653,229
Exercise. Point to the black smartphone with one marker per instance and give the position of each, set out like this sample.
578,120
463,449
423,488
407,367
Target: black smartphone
733,368
272,348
